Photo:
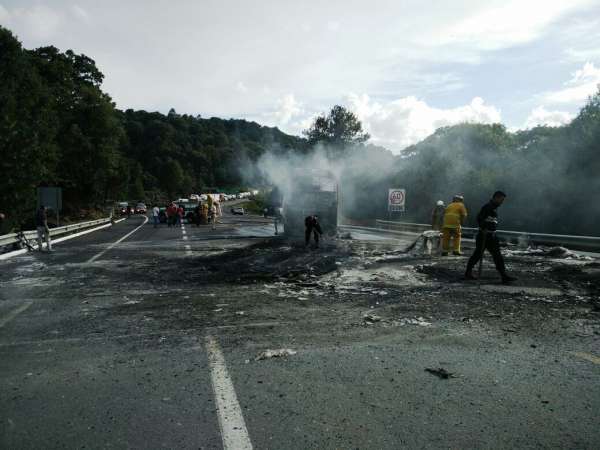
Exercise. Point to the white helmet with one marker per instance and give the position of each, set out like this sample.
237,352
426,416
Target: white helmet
440,203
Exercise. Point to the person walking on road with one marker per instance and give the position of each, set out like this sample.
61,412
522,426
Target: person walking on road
171,213
43,231
437,216
312,226
198,215
487,220
454,217
213,216
179,215
205,212
156,215
219,211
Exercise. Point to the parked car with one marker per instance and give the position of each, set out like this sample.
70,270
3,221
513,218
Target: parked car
140,208
238,211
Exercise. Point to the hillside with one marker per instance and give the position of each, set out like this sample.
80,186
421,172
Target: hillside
58,128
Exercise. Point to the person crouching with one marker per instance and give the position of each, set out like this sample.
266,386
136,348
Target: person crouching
312,226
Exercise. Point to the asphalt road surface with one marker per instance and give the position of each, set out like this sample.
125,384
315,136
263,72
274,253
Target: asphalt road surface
157,341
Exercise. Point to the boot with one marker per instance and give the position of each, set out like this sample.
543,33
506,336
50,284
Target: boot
469,275
507,279
457,253
444,253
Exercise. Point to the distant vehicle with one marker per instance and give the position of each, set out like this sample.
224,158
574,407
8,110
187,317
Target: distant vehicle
188,211
238,211
195,197
122,207
140,208
311,192
215,197
203,197
183,200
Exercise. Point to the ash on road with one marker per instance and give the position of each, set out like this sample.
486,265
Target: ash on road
112,353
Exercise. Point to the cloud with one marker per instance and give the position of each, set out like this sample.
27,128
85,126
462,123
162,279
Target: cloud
287,109
241,87
405,121
511,23
584,83
37,22
80,13
541,116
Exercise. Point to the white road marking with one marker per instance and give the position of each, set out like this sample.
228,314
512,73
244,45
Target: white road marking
231,421
188,249
58,240
14,313
94,258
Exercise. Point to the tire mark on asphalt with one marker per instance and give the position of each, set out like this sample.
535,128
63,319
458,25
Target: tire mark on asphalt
14,313
111,246
231,420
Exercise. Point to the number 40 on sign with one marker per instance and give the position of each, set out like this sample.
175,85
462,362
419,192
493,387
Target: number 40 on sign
396,200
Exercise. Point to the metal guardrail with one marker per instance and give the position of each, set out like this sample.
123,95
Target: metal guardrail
571,241
9,239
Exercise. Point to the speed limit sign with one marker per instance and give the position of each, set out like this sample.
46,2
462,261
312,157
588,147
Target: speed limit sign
396,200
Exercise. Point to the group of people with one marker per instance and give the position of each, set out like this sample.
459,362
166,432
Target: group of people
204,213
449,221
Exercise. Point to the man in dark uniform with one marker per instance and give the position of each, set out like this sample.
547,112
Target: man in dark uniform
487,239
311,224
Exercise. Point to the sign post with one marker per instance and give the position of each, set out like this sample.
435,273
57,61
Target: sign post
396,201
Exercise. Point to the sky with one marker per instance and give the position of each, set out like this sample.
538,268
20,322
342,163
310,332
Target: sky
404,67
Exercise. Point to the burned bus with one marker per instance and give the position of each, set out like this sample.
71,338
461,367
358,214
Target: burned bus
310,192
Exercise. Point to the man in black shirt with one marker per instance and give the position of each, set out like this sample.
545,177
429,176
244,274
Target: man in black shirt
311,224
487,239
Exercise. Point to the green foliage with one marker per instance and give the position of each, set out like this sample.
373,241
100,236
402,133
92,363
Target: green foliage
58,128
550,174
338,129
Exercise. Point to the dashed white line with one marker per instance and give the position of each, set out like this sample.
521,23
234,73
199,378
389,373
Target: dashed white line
94,258
231,421
14,313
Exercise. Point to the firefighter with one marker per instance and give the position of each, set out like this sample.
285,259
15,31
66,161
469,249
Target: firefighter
487,239
454,217
204,219
437,216
311,225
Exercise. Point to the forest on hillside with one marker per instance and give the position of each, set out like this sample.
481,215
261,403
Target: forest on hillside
551,175
58,128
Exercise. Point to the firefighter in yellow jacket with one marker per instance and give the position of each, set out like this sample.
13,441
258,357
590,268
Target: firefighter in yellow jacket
454,217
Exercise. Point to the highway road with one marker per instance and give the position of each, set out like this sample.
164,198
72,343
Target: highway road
141,337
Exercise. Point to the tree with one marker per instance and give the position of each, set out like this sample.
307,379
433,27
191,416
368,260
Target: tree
173,177
28,127
340,128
